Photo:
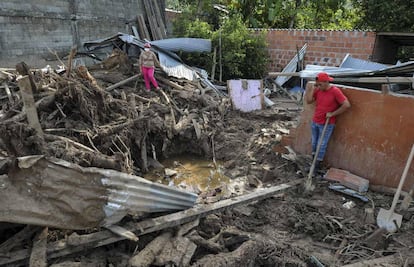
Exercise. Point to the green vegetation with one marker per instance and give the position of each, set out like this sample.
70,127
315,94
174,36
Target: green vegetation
227,22
240,52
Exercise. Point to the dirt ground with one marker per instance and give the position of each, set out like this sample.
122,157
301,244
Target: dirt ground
293,228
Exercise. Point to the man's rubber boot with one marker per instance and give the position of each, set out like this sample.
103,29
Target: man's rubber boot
318,165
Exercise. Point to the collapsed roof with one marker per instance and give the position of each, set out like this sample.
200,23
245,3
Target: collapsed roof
171,64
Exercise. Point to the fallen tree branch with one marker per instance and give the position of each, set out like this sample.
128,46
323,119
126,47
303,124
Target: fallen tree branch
51,137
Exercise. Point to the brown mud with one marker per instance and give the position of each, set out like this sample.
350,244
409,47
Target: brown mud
130,130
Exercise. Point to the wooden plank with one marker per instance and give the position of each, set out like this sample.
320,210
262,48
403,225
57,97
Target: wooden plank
150,16
160,22
352,80
29,104
170,83
8,92
130,79
275,74
142,27
386,80
62,248
38,255
16,240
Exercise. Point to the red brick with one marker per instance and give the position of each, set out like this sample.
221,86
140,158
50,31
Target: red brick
347,179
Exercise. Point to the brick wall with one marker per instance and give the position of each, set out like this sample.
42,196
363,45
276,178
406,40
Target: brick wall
29,30
325,48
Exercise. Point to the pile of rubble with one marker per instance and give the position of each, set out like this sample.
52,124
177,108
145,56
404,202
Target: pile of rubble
74,144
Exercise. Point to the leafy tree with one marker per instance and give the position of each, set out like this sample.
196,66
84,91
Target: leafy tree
384,15
242,53
326,14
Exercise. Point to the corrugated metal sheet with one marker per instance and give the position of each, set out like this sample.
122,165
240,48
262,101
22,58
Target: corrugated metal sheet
291,66
405,70
184,44
311,71
56,193
360,64
170,62
175,68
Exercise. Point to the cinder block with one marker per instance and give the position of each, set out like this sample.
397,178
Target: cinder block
348,179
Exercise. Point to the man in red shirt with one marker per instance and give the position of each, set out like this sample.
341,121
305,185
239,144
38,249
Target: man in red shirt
330,102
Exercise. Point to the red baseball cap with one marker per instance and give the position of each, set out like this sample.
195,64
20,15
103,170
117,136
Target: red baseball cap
324,77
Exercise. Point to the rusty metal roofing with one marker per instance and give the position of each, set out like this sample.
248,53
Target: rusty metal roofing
56,193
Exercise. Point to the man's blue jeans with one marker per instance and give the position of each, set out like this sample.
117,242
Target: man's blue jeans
316,134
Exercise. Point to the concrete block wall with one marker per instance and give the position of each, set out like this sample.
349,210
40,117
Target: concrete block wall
29,29
325,48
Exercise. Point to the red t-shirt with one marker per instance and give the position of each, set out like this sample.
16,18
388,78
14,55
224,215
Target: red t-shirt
327,101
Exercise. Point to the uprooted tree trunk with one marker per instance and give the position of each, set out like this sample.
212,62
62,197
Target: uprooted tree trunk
92,127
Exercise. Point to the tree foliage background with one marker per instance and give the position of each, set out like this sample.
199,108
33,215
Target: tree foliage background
241,51
238,51
380,15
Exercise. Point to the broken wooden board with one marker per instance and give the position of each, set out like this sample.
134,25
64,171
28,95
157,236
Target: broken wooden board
38,256
62,248
142,27
29,104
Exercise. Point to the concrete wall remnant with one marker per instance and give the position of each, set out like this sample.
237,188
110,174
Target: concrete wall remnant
246,95
372,139
32,31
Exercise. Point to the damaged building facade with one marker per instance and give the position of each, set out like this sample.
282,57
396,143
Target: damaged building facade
39,31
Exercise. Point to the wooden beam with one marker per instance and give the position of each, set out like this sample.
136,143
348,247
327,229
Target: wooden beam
38,255
130,79
29,104
151,20
160,22
275,74
62,248
142,27
170,83
352,79
386,80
